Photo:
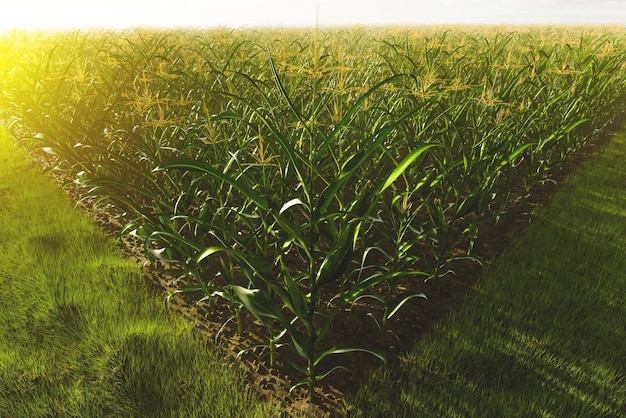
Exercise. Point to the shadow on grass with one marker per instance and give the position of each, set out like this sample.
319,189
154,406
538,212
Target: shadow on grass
542,333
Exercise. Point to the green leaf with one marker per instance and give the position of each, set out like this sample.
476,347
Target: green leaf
260,268
258,303
516,153
408,160
297,302
291,203
302,344
469,204
195,165
357,290
210,251
401,300
323,375
164,254
341,348
338,258
355,161
328,320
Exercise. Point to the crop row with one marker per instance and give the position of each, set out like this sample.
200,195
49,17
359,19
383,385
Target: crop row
295,173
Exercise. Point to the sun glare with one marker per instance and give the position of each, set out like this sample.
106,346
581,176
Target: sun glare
42,14
70,14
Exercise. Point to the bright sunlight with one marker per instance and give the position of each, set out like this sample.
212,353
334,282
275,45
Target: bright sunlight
66,14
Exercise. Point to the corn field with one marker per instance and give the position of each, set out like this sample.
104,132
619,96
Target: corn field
294,173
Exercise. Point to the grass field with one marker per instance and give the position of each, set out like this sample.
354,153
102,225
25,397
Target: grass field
80,333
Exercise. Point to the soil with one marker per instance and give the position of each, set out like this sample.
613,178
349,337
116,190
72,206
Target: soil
413,322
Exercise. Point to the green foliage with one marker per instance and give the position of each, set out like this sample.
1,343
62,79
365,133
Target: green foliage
541,334
297,175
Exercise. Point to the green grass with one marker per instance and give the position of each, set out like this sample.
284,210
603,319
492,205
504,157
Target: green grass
542,334
80,334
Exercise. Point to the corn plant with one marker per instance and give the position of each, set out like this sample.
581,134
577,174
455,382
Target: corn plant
324,233
344,167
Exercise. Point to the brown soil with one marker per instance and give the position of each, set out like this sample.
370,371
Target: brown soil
413,321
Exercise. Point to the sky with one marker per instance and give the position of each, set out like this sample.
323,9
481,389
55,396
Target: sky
70,14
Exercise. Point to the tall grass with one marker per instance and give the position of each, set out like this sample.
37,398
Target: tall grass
297,175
